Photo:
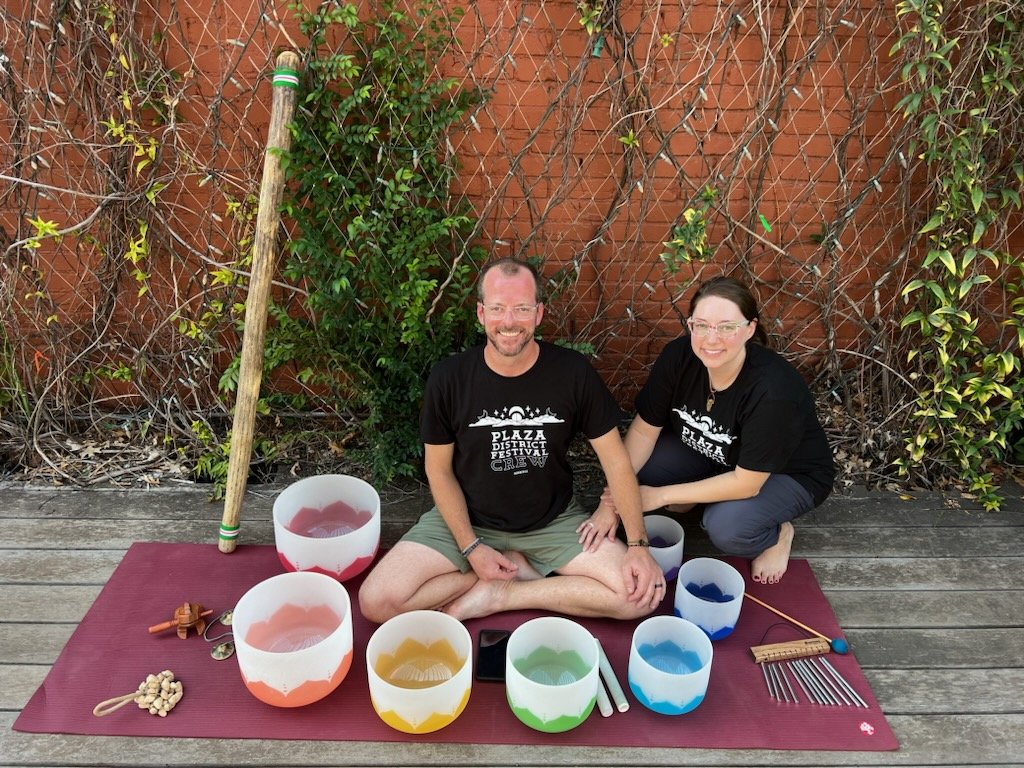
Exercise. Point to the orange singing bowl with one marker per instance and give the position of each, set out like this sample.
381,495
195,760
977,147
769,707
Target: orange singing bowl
293,638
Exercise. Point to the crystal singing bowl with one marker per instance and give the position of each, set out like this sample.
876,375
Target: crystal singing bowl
666,537
327,524
709,593
551,673
419,668
669,664
293,638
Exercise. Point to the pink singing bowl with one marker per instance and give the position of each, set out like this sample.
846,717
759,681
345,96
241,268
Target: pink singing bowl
327,524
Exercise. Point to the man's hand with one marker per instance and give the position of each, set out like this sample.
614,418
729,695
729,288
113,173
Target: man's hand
601,525
645,582
490,565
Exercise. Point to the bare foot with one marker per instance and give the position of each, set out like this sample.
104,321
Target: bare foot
526,571
482,599
770,565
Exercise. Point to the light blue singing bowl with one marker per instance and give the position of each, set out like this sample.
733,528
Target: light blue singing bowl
669,664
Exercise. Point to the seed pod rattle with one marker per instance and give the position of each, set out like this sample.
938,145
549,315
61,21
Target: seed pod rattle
157,693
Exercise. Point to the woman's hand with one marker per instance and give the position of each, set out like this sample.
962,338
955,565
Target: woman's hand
651,498
600,526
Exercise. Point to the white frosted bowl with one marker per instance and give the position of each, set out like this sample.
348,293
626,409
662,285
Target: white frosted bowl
337,550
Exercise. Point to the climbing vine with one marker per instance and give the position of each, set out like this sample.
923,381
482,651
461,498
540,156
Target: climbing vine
965,71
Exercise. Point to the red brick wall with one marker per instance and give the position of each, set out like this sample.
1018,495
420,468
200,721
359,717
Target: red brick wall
544,166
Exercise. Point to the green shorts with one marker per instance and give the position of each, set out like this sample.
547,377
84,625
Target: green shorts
547,549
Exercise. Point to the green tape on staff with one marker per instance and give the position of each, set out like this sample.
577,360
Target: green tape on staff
288,78
229,532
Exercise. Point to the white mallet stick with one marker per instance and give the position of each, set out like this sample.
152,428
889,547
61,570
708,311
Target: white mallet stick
611,681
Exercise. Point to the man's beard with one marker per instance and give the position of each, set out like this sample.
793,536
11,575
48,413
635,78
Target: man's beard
495,338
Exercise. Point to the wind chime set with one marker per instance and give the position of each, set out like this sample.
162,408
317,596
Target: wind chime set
804,662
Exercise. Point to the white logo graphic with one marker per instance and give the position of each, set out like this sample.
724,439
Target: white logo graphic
703,435
517,437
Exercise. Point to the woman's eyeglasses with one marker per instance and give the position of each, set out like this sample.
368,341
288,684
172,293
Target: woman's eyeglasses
519,311
722,330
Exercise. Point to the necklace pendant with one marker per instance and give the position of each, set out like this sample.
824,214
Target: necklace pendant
710,403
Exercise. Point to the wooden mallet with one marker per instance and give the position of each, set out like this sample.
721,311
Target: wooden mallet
268,219
837,644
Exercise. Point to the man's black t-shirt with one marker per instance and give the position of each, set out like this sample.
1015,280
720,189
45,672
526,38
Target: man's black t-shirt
512,434
765,421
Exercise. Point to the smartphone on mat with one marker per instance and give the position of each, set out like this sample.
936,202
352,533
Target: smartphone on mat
490,654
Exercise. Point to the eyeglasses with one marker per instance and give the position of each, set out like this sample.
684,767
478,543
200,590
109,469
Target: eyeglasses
519,311
722,330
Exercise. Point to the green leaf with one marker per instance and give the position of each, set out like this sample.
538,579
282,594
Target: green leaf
977,197
979,231
933,223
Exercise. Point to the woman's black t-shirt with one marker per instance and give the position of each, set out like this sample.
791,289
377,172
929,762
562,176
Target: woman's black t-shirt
512,434
765,421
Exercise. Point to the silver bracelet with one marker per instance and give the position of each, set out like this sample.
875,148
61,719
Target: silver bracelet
469,549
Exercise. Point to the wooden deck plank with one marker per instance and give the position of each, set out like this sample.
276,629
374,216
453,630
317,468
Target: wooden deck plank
18,682
831,541
29,603
174,504
929,608
192,503
58,566
33,643
947,691
958,647
907,573
924,740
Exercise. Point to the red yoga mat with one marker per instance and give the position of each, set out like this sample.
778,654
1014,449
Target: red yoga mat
111,652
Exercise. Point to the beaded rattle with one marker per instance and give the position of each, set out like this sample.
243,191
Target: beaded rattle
157,693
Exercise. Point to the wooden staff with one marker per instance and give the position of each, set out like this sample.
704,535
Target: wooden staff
268,219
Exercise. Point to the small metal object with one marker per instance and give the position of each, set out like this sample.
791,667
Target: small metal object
774,670
811,688
798,681
767,681
777,692
833,687
842,681
775,685
811,679
816,676
226,649
224,620
780,682
782,671
223,650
